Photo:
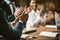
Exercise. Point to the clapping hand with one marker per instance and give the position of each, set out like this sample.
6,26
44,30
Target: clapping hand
28,9
18,11
41,10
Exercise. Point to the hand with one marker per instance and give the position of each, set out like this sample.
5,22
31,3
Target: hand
28,10
25,9
41,10
57,15
18,11
23,18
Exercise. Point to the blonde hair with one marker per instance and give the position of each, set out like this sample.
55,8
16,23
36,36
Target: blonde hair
49,6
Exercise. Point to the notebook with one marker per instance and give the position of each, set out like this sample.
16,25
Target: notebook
48,34
24,36
29,30
51,26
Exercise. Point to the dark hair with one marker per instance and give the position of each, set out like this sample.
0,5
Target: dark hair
28,2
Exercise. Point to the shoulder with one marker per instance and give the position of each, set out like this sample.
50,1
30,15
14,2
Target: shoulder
2,12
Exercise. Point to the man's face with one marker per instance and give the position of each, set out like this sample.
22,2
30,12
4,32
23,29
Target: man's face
33,4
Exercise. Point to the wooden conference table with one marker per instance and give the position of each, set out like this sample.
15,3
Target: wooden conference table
40,29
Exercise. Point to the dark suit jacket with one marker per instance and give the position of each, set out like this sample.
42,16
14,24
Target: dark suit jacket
6,8
6,30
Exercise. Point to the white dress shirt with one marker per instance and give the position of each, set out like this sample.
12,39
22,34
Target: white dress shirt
33,18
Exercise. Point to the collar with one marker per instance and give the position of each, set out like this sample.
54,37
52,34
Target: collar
7,1
34,11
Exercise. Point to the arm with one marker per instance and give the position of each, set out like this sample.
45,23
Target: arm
4,27
18,11
11,18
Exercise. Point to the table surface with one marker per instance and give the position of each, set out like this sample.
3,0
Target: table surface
39,29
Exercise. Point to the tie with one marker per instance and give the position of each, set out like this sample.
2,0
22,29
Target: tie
12,7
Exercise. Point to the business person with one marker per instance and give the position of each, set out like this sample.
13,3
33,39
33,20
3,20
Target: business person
33,15
5,29
9,7
50,20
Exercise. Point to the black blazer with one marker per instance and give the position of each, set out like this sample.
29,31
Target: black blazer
6,30
6,8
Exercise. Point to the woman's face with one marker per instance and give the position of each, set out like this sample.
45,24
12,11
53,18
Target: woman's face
49,14
33,4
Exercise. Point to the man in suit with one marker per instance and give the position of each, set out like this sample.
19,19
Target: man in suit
5,29
9,9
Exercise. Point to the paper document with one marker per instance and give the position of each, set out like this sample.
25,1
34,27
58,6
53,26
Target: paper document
48,34
24,36
51,26
29,30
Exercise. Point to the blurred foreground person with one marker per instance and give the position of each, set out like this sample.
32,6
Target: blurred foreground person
5,29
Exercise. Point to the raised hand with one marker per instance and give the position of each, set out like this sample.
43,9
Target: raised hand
18,11
23,18
41,10
28,10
